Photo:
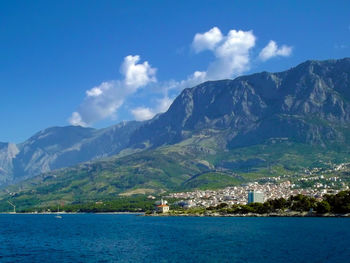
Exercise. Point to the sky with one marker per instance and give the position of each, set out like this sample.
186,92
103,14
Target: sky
97,63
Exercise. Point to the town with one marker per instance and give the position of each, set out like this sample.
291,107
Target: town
239,194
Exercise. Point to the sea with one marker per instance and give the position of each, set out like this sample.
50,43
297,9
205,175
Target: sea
135,238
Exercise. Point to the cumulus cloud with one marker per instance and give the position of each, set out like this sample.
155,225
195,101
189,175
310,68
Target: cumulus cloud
100,102
146,113
231,51
104,100
164,104
76,119
192,80
94,92
207,40
231,57
137,75
272,50
142,113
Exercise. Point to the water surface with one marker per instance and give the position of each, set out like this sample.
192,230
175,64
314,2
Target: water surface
131,238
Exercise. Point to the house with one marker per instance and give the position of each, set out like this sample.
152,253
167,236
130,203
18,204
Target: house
162,206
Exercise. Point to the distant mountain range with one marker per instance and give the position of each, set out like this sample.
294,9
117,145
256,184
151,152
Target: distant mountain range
306,105
59,147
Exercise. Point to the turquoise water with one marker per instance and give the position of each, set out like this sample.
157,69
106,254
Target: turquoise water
130,238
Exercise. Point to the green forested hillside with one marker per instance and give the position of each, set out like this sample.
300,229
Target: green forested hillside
172,168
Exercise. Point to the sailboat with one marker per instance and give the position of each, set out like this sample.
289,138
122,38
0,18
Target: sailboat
58,212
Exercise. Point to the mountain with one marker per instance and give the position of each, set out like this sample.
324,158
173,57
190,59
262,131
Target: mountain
218,133
8,152
59,147
308,103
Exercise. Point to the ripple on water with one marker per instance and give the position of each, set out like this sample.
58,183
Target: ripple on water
130,238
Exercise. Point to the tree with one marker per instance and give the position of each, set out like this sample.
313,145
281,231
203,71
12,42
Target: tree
340,203
323,207
222,205
278,204
260,208
302,203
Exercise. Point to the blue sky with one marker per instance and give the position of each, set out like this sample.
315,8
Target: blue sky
96,63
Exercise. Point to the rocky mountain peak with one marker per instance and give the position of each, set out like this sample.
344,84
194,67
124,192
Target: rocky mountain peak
303,103
309,103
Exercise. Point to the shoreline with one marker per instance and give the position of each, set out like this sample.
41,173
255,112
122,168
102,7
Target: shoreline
293,214
286,214
73,213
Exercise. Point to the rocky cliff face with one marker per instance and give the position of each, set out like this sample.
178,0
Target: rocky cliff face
308,103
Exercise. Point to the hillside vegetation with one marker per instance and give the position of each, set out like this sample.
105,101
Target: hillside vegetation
216,134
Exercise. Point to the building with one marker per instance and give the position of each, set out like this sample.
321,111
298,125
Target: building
255,197
162,206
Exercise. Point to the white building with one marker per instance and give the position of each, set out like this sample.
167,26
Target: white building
255,197
162,207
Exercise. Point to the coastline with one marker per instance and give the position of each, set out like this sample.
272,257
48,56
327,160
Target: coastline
73,213
172,214
287,214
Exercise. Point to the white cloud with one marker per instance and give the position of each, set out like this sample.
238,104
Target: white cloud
142,113
164,104
208,40
94,92
231,58
272,50
111,96
137,75
146,113
192,80
231,53
76,120
104,100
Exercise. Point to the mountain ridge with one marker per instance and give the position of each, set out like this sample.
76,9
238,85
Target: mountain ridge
58,147
238,104
308,103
